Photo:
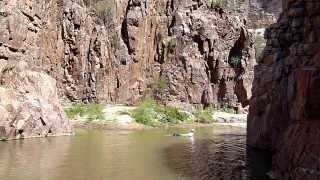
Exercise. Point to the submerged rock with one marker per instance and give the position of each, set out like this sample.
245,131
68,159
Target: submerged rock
29,104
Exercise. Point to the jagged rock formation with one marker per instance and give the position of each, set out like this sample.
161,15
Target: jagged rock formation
263,13
257,13
284,109
29,105
204,55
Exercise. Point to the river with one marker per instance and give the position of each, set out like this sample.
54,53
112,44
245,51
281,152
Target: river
215,153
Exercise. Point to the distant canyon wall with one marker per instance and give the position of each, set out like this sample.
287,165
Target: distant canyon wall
182,52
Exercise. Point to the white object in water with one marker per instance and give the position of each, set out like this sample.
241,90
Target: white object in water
190,134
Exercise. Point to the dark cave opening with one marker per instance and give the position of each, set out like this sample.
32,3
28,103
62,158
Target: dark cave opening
235,55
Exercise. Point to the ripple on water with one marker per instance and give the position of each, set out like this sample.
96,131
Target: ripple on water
222,157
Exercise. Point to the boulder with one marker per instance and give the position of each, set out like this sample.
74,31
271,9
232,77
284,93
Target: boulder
29,104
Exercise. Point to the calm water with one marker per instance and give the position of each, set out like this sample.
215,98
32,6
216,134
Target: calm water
217,153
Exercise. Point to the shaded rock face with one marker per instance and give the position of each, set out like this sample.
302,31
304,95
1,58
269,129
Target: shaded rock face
29,105
284,109
202,55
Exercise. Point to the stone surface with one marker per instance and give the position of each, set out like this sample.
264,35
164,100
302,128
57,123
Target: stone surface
201,55
257,13
263,13
29,104
284,110
223,117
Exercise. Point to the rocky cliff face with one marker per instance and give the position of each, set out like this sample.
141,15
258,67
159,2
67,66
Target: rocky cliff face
29,105
257,13
263,13
182,52
284,109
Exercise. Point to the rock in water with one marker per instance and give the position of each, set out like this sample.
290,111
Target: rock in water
29,104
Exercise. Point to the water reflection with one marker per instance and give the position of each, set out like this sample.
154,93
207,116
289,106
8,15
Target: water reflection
30,156
218,156
215,153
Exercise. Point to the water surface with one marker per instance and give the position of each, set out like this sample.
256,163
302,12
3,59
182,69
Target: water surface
217,153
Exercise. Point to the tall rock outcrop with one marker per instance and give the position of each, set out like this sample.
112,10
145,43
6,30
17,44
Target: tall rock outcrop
183,52
29,105
284,110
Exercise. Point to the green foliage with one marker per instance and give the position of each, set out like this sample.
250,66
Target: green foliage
235,61
172,43
104,10
145,113
172,115
225,108
259,45
150,113
158,85
216,3
115,41
87,111
204,115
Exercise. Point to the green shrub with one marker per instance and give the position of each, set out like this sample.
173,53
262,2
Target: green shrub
235,61
145,113
158,85
115,41
87,111
172,115
172,42
204,115
104,10
216,3
150,113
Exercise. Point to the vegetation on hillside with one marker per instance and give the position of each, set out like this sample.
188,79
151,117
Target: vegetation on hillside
235,61
158,85
104,10
88,112
216,3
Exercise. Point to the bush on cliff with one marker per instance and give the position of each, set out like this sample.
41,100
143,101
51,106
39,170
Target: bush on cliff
216,3
104,10
158,85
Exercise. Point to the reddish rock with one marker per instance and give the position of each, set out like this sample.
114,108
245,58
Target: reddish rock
284,109
29,104
204,54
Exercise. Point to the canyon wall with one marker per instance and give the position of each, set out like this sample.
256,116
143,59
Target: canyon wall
181,51
284,109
